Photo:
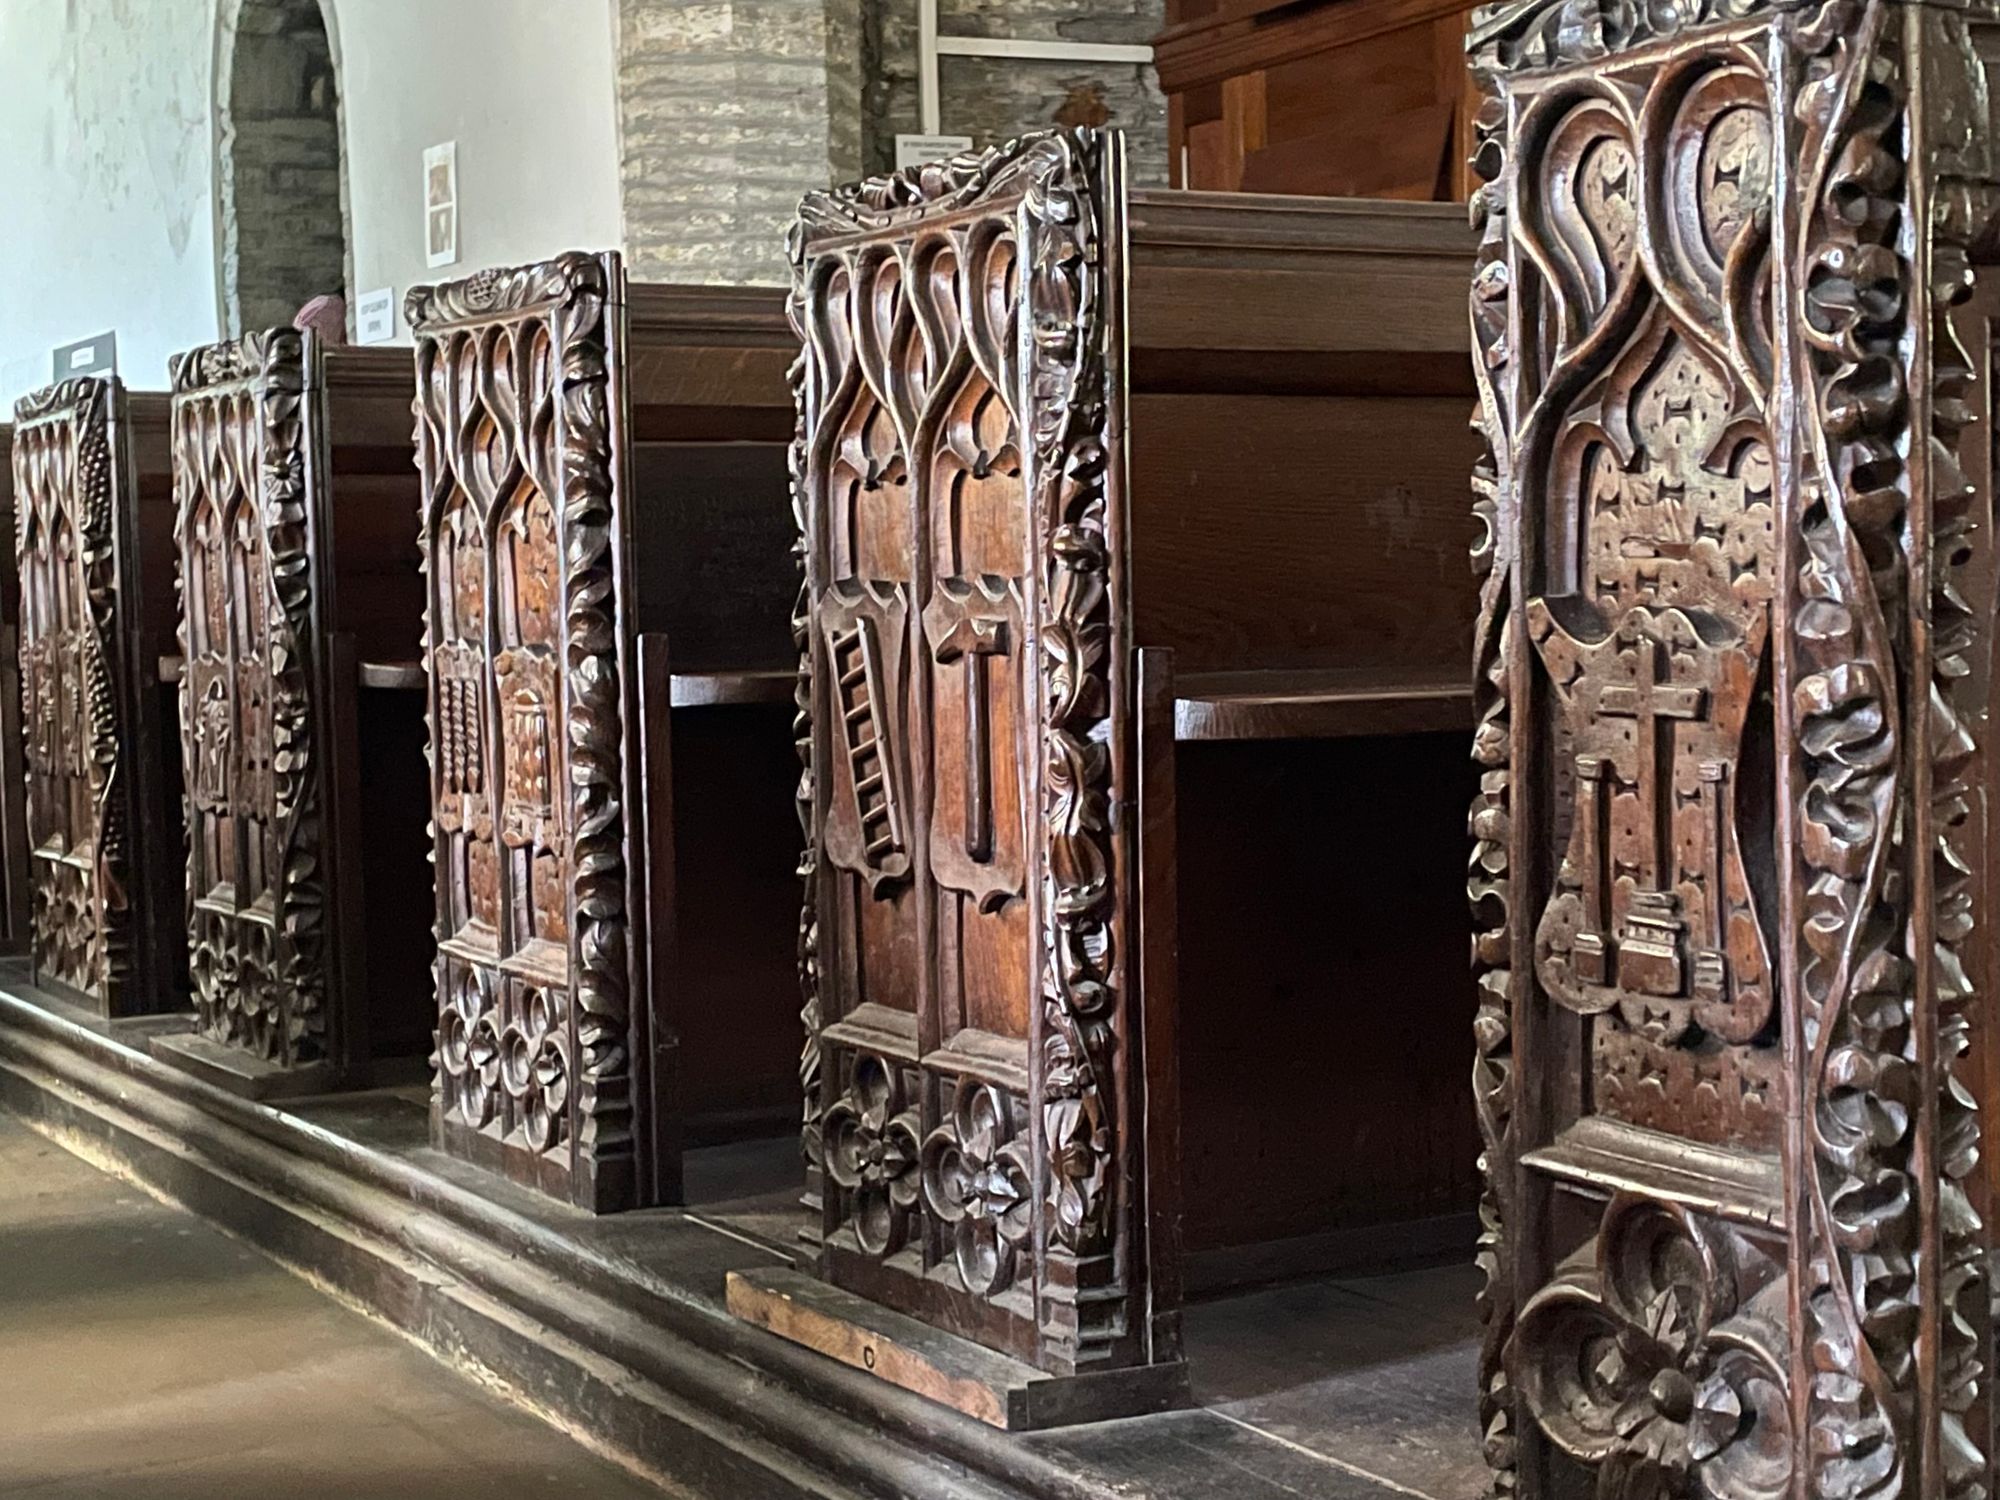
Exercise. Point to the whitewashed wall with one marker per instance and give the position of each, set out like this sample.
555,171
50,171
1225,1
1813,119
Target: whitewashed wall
107,147
529,95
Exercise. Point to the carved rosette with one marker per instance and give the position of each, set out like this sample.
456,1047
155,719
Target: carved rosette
1658,1357
64,480
978,1180
240,434
513,414
873,1146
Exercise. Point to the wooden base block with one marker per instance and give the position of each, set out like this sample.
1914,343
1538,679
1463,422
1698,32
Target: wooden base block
242,1074
998,1390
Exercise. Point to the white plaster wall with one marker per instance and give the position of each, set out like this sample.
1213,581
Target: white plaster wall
529,95
107,150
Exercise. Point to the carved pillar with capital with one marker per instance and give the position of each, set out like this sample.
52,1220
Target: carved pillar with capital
1733,323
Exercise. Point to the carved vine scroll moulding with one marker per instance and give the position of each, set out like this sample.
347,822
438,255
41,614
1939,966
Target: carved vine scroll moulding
1732,337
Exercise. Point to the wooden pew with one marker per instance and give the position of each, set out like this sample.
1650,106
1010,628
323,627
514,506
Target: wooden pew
611,678
94,547
1066,611
308,940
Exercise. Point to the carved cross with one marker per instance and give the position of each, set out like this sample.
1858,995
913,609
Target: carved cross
1654,704
973,640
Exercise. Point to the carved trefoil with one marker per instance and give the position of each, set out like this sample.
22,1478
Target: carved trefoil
527,646
972,1071
253,698
82,699
1731,840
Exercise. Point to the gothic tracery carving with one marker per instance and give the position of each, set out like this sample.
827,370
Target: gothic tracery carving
955,496
1754,677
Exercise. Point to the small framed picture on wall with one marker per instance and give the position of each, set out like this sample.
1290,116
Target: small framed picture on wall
441,204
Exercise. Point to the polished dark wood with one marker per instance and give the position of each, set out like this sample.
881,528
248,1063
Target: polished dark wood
1069,491
609,541
94,546
308,947
1733,320
1353,98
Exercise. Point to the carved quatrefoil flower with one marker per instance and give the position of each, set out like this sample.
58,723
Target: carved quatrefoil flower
468,1051
977,1181
534,1069
1638,1362
872,1149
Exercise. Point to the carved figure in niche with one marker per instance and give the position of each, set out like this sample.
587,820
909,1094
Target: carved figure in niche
214,717
530,699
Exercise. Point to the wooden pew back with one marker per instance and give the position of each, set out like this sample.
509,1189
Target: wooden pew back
1294,363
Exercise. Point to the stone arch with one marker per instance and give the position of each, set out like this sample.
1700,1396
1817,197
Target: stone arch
282,216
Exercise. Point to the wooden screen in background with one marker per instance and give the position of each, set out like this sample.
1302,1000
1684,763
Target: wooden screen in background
1346,98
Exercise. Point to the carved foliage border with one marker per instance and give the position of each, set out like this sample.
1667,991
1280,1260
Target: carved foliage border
273,362
1489,822
84,406
572,462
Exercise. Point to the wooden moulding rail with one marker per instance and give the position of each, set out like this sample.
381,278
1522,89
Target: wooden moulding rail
649,1367
1326,704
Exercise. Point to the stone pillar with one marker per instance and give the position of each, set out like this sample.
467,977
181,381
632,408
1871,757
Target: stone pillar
1734,318
728,113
